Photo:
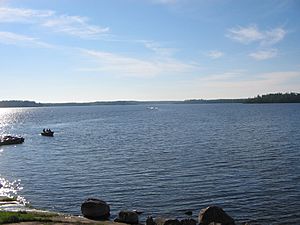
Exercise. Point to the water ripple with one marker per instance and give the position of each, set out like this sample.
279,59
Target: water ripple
241,157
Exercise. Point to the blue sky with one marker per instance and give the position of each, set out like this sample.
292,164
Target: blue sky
90,50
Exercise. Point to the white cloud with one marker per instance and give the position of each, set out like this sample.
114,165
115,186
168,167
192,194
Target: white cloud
71,25
245,35
264,38
21,40
120,65
251,34
23,15
264,54
215,54
75,26
273,36
157,48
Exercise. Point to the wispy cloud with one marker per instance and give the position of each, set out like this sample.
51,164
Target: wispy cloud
120,65
13,15
77,26
264,54
10,38
250,34
265,39
158,48
273,36
215,54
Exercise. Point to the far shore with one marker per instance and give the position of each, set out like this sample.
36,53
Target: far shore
268,98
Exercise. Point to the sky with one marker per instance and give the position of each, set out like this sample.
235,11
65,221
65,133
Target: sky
105,50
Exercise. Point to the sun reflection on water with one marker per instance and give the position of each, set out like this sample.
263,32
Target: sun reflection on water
9,117
5,119
11,189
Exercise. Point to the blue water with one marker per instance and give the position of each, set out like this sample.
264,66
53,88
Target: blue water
244,158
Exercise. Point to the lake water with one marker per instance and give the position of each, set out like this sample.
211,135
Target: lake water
244,158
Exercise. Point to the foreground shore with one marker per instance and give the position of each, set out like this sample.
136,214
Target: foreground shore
30,218
11,212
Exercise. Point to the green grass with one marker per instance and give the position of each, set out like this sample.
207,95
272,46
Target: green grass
16,217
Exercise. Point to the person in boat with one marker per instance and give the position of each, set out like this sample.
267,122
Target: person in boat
47,131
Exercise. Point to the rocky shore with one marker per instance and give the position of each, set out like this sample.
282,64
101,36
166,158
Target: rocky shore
96,211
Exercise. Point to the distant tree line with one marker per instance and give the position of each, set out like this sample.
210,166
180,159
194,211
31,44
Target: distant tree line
268,98
15,103
276,98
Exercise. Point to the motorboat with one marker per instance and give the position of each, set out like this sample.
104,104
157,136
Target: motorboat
11,140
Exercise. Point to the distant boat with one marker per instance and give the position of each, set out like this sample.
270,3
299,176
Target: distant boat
47,133
11,140
152,107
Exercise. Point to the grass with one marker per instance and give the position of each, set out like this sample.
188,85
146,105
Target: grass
16,217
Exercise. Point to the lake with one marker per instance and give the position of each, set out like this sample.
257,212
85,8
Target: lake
163,161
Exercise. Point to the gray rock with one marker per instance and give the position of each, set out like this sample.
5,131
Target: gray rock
188,222
189,212
95,209
150,221
129,217
172,222
214,214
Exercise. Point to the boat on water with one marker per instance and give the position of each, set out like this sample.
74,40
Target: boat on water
47,133
152,107
11,140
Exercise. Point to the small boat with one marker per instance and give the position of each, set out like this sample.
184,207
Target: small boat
11,140
152,107
47,133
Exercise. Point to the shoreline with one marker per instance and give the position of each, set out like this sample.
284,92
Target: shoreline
13,212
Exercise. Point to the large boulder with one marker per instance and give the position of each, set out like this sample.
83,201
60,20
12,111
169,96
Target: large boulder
214,214
129,217
95,209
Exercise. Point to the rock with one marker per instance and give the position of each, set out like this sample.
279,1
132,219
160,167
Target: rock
172,222
129,217
95,209
188,222
117,220
189,213
137,212
160,220
214,214
150,221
